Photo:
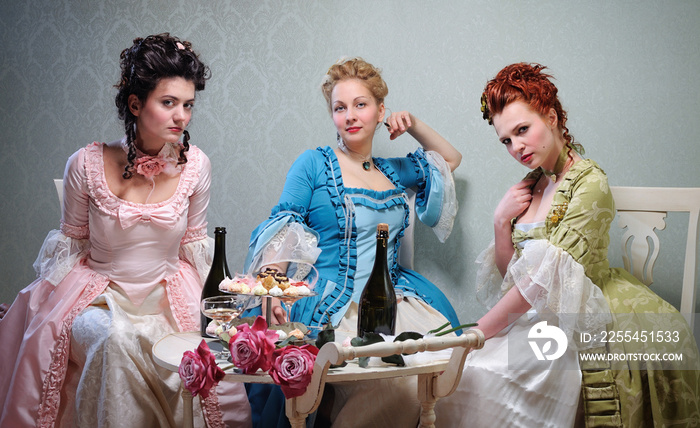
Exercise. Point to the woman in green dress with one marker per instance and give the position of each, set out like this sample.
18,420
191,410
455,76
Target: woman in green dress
546,279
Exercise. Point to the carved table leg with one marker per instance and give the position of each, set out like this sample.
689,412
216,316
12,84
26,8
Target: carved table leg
296,419
427,400
298,422
427,414
188,418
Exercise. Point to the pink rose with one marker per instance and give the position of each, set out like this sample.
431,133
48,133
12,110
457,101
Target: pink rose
199,371
149,166
252,347
292,368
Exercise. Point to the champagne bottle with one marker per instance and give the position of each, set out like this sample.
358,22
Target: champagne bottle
377,310
219,271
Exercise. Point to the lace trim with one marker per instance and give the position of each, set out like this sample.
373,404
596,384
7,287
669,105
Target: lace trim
556,285
178,302
108,203
53,382
344,209
390,173
194,233
212,412
450,205
490,287
295,245
77,232
199,254
346,248
58,254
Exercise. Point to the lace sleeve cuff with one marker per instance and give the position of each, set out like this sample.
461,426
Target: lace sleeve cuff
440,202
76,232
199,253
286,241
558,289
194,234
59,254
490,286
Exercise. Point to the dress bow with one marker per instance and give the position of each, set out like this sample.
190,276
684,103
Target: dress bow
129,216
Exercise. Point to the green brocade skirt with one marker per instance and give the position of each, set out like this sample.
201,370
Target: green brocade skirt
633,386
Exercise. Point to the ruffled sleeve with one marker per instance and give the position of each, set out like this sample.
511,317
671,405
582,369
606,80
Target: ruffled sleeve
284,238
557,287
554,267
199,253
196,247
63,248
436,200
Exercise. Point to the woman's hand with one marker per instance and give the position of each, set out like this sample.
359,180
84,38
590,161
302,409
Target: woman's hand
398,123
278,314
428,138
514,202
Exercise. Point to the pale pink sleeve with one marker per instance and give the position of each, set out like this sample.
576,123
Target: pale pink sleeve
199,201
63,249
196,247
74,220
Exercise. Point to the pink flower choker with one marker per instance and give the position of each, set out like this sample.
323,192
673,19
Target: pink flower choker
165,161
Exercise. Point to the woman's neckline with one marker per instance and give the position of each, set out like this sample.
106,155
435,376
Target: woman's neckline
103,177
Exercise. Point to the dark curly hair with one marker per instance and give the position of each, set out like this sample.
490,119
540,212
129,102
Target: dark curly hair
143,65
530,84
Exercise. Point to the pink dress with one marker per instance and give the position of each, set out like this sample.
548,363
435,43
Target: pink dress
118,276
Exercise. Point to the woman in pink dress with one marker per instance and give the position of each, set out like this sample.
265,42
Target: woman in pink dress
125,268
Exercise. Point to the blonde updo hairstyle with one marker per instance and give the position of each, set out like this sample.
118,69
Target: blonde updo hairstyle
355,68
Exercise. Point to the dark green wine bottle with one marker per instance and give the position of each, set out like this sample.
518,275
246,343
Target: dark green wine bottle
377,310
218,271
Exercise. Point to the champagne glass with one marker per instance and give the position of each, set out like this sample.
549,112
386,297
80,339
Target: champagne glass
288,301
224,309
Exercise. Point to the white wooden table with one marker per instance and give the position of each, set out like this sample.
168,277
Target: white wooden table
436,379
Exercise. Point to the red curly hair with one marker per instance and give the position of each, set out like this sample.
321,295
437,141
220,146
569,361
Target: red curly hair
530,84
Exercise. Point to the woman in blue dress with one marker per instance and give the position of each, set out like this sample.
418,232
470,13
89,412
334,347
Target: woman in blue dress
324,227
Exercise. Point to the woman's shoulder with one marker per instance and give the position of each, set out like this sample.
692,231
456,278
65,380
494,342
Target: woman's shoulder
587,180
314,157
587,170
197,155
85,155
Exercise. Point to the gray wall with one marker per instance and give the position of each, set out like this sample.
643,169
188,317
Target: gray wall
627,73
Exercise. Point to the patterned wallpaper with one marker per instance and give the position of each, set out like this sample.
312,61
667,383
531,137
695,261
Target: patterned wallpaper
627,73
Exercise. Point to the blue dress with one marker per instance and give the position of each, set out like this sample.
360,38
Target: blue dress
343,221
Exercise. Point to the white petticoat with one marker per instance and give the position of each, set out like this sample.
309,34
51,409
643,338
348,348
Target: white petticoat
504,385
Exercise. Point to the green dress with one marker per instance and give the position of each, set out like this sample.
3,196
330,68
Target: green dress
637,392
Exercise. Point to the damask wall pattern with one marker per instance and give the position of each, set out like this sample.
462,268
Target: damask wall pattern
627,73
